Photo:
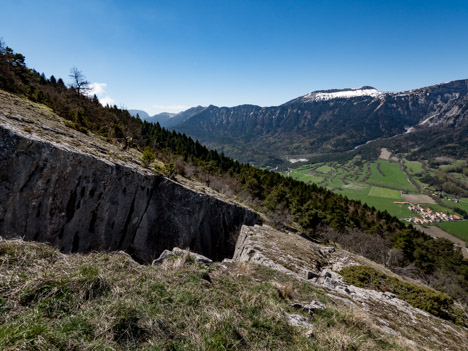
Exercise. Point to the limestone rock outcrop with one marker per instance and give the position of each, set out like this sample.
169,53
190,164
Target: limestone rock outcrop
56,186
319,265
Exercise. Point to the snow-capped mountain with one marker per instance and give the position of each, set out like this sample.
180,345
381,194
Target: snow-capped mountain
328,121
324,95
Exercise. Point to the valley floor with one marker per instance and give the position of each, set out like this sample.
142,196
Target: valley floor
392,184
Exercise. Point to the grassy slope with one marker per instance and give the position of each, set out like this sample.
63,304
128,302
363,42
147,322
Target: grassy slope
106,301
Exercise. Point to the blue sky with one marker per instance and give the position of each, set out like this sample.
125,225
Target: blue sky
171,55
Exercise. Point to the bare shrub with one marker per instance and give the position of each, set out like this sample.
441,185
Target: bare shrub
180,167
371,246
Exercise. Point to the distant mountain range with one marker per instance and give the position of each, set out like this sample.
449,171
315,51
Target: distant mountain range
167,119
332,121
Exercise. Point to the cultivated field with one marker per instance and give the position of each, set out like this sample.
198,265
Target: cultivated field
413,167
385,154
381,183
419,199
384,192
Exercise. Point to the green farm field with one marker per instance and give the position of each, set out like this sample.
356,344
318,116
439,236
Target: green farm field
382,203
458,229
413,167
384,192
378,183
463,204
390,176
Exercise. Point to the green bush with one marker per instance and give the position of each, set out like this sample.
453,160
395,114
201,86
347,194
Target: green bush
434,302
148,157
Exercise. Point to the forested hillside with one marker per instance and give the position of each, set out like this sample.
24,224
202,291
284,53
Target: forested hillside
310,209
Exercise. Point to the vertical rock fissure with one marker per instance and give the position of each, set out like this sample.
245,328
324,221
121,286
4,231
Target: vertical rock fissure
70,207
123,234
156,181
76,242
93,221
33,174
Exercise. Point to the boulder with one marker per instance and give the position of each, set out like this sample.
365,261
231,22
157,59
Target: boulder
176,252
310,307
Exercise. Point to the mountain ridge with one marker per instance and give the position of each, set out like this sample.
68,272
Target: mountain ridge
327,125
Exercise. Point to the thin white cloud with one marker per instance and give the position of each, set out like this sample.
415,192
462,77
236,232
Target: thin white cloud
106,100
99,89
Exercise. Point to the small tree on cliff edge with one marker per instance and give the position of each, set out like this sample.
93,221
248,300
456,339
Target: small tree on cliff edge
148,157
79,81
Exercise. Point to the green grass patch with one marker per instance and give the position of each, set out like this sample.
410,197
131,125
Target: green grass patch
434,302
105,301
449,167
310,179
390,175
324,169
463,203
380,203
458,229
333,183
384,192
413,167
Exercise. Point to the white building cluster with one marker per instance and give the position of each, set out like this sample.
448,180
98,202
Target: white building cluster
429,216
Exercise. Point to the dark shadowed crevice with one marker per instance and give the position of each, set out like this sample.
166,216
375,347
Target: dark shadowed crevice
38,212
123,234
93,221
76,242
60,235
70,208
37,170
149,191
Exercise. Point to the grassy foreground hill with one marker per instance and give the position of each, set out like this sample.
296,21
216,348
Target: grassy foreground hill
106,301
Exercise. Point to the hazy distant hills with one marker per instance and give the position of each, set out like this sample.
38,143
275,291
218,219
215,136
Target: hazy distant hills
332,121
183,116
140,113
162,117
167,119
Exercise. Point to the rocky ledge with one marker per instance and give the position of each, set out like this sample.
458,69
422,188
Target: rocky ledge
319,265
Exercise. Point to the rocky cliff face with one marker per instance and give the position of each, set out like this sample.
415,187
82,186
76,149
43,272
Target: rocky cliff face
60,192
